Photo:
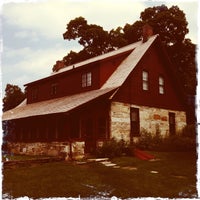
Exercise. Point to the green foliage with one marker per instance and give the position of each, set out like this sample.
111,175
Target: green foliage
183,55
112,148
133,33
178,143
93,38
148,141
13,97
184,141
169,23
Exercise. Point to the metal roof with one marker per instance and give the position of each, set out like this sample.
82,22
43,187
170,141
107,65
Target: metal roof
67,103
53,106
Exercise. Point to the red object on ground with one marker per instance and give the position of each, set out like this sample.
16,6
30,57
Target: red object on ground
143,155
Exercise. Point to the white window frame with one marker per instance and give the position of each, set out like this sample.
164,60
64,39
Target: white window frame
161,85
34,94
86,79
145,80
54,89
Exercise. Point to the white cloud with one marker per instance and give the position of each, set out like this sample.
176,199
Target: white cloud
49,18
26,64
12,53
25,34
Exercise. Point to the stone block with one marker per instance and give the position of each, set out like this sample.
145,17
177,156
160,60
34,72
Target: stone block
164,118
156,117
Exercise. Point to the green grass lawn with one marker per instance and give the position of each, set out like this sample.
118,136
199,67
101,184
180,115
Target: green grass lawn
176,177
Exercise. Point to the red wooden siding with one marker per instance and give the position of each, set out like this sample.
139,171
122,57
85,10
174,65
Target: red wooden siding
109,66
70,82
67,83
132,91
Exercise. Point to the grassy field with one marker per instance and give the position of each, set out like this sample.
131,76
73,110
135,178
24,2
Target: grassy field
172,175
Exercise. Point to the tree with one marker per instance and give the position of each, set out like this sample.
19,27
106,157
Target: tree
13,97
93,38
183,56
169,23
117,38
133,33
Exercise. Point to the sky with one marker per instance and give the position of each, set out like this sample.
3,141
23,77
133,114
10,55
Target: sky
32,31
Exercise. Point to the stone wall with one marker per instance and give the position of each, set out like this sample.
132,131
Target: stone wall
120,121
151,120
48,149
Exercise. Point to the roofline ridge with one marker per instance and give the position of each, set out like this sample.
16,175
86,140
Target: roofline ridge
102,56
97,58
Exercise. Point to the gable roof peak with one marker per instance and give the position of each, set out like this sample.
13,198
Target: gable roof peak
129,63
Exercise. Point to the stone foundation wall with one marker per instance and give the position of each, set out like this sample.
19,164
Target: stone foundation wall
48,149
151,120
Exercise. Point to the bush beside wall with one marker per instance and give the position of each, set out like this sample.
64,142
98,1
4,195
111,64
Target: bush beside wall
112,148
183,141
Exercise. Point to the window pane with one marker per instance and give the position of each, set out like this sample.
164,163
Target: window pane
84,78
89,79
161,81
161,85
54,88
145,76
145,85
161,90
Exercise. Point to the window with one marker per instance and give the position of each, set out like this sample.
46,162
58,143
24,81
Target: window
54,89
135,122
145,80
161,85
172,123
34,93
87,79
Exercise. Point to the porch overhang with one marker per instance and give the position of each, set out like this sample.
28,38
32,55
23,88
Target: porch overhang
55,106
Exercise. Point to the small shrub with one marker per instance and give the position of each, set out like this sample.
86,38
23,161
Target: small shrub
181,142
144,140
148,141
112,148
189,131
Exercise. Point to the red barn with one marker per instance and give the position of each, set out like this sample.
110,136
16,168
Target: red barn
118,94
